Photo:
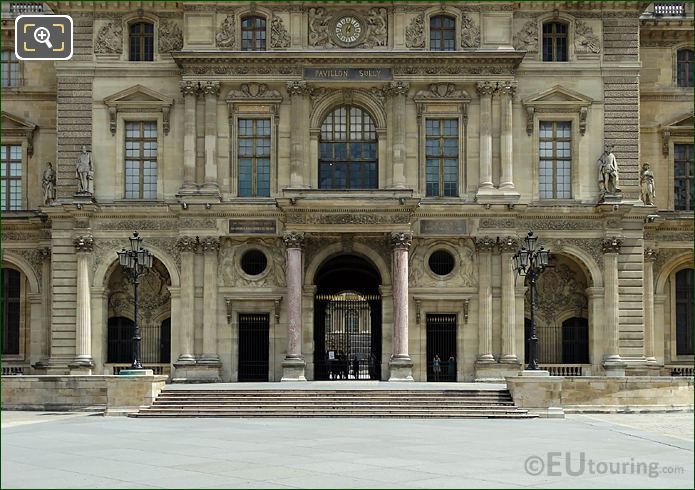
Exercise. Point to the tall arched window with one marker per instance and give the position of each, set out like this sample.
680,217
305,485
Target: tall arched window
253,34
11,297
348,150
684,68
684,312
442,33
141,38
555,41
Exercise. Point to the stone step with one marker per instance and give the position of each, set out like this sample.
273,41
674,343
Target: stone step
461,406
331,413
337,399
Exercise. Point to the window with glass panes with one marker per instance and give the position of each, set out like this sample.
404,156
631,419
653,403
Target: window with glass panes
11,297
10,69
254,157
141,160
555,166
441,151
348,150
554,41
684,312
442,33
684,68
11,177
141,41
253,34
684,185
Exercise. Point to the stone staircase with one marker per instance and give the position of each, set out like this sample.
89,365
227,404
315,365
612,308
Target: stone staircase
469,403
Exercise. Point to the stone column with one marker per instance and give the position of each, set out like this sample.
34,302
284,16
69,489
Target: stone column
485,246
187,247
506,91
293,365
211,91
83,363
650,256
190,91
298,90
398,91
401,365
485,90
508,247
210,247
612,363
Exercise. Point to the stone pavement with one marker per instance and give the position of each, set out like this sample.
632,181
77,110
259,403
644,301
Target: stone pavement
91,451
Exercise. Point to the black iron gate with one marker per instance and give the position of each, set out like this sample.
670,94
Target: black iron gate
441,345
254,332
347,335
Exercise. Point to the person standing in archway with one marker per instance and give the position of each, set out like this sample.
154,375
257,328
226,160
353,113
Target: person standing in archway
436,367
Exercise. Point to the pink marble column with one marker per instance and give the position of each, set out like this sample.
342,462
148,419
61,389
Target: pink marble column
401,364
293,365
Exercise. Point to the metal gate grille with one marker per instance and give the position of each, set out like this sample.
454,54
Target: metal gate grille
441,342
348,336
254,332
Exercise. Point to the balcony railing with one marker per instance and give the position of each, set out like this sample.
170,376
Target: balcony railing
669,9
566,369
12,370
19,8
675,370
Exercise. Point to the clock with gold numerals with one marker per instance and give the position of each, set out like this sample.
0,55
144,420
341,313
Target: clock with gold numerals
349,30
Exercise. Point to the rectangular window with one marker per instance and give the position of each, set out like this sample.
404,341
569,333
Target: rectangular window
554,41
11,177
10,69
684,181
555,166
684,68
442,153
141,160
254,157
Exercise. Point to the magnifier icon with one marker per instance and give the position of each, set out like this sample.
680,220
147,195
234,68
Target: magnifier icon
43,36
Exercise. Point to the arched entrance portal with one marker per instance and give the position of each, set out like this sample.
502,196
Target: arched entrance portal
347,320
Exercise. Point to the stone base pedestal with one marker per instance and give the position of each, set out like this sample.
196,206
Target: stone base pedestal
614,368
611,198
79,370
293,369
401,369
495,372
538,373
196,373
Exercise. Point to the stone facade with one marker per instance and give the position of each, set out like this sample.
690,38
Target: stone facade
616,259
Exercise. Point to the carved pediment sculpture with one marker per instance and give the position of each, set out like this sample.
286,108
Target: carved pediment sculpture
138,99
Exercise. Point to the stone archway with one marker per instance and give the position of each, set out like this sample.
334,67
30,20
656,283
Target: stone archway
154,316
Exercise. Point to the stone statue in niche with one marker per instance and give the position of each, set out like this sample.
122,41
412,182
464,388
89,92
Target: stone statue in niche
647,185
84,170
48,183
608,176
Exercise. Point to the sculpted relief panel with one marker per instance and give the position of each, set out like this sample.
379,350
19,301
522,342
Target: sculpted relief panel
231,273
323,25
464,274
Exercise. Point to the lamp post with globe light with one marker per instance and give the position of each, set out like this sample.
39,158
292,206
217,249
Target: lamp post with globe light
531,262
135,263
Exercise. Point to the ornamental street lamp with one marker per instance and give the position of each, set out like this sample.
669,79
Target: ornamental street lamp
135,263
531,263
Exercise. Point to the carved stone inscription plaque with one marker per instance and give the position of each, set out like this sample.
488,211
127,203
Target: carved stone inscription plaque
338,73
252,226
443,227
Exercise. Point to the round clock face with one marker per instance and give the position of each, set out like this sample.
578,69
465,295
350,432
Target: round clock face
348,29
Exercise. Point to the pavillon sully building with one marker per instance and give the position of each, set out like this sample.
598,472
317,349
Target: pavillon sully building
336,190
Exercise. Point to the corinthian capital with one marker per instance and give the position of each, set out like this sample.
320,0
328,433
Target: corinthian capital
189,88
485,88
506,88
210,88
293,239
650,254
210,244
396,88
401,240
508,244
84,243
484,244
187,244
298,87
611,245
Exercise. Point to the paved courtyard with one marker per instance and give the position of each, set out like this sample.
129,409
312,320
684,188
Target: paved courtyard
51,450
